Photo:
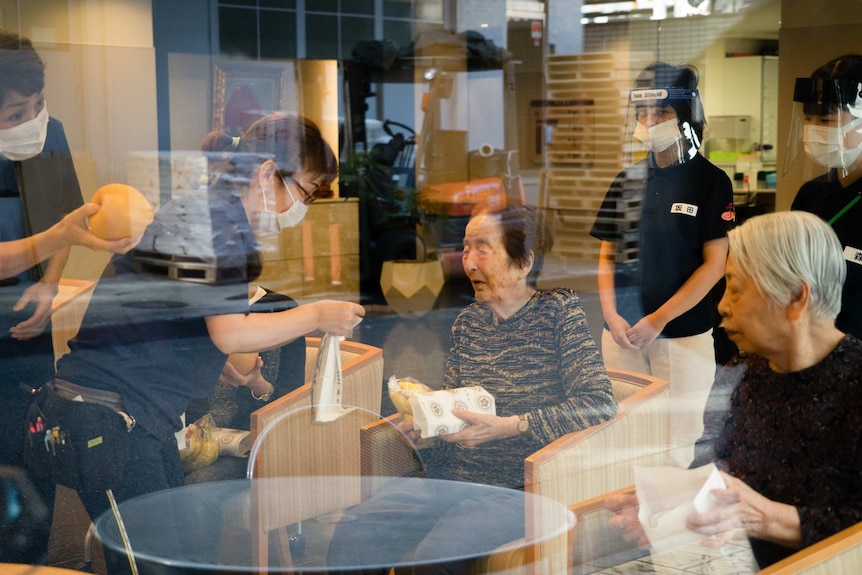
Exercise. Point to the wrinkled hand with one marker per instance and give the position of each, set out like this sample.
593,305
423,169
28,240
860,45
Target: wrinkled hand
644,332
619,328
338,317
74,228
415,435
231,376
42,294
737,506
625,508
483,428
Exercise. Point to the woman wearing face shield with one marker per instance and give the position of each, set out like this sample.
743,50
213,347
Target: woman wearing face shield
164,318
829,113
663,227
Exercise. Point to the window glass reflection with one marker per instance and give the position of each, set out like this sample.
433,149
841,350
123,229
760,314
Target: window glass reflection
357,6
321,34
354,30
277,34
238,32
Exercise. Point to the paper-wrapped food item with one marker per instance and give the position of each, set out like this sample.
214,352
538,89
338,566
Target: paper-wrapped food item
236,442
201,446
432,412
400,391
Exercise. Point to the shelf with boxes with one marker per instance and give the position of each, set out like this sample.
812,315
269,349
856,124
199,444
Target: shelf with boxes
318,258
582,129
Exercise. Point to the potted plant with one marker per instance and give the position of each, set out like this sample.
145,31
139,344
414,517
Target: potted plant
397,262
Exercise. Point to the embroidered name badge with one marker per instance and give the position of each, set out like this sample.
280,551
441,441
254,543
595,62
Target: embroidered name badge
685,209
852,254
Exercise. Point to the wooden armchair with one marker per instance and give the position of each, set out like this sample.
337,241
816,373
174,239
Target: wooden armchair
841,553
579,466
595,546
362,375
296,446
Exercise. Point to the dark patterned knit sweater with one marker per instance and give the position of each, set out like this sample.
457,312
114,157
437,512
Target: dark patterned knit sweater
795,438
541,361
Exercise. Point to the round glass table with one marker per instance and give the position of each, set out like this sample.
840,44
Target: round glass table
231,526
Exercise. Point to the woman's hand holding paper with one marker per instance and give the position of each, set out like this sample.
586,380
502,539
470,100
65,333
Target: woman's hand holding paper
482,428
741,506
415,435
337,317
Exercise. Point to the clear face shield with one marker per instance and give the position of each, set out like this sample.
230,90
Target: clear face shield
826,129
656,126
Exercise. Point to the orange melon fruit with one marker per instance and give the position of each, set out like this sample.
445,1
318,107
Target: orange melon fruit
124,213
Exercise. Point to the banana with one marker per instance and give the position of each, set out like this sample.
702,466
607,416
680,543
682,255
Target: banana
400,391
194,444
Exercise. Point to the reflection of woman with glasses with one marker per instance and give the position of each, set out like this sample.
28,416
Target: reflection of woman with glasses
149,344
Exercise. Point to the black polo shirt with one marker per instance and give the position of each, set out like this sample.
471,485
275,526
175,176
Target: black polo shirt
659,219
825,197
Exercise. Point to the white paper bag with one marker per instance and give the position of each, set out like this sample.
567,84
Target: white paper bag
432,412
326,384
667,495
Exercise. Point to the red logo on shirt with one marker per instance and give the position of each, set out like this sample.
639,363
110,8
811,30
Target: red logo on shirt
729,214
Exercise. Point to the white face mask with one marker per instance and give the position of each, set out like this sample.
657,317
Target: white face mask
273,223
825,145
660,137
25,140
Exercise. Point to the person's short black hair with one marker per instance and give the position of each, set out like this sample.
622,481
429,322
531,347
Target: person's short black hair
833,84
21,68
662,75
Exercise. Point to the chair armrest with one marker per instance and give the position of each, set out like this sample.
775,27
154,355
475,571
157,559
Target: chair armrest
386,453
588,463
362,376
593,543
840,553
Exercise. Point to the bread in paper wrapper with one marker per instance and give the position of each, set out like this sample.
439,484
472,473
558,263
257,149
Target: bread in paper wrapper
432,412
400,391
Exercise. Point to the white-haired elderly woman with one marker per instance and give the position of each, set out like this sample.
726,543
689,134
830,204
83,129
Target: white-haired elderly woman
790,440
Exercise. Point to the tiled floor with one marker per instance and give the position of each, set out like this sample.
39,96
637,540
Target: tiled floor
732,558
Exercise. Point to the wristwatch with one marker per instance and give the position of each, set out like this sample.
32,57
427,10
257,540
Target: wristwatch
523,423
262,397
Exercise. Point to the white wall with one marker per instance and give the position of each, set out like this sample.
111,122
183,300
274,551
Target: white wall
100,80
811,35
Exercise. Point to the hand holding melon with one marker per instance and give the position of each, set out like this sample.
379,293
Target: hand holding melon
124,213
243,362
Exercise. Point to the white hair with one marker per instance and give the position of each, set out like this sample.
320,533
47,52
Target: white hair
782,250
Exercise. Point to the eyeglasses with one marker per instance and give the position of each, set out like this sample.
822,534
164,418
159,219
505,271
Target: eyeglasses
309,196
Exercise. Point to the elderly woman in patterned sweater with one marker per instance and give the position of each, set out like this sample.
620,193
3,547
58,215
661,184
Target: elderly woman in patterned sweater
784,420
529,348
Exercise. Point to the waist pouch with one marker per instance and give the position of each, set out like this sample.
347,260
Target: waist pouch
85,445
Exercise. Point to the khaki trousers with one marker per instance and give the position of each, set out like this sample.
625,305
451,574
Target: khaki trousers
688,363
